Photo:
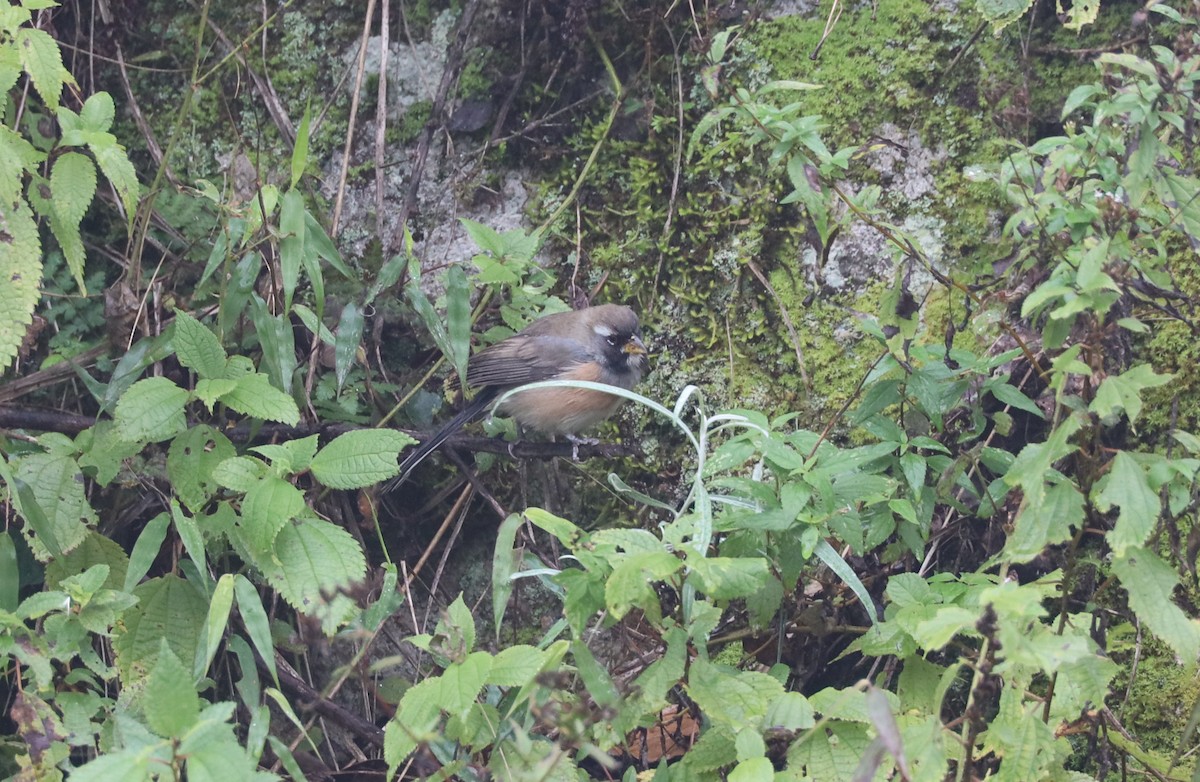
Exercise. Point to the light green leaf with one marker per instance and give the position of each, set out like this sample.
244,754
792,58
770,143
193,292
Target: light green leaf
349,336
738,699
191,460
1126,485
117,169
1150,584
1123,392
725,578
241,473
146,549
266,509
360,458
171,703
42,60
300,150
632,581
505,562
168,608
151,410
20,272
1044,520
55,486
97,113
197,347
214,624
255,396
516,666
291,245
317,559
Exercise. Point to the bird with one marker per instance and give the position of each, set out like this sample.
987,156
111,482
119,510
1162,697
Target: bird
600,344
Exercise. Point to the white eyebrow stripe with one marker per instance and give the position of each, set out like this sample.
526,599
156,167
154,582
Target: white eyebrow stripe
603,329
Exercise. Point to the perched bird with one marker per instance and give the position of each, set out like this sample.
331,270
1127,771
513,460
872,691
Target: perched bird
601,344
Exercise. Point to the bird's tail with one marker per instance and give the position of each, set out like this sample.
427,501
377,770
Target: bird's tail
473,410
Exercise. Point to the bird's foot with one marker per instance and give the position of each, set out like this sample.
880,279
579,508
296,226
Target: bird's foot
578,441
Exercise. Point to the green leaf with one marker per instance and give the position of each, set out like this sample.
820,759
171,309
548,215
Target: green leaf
360,458
151,410
214,624
170,701
1123,392
1126,485
458,319
278,343
725,578
117,169
168,608
42,60
505,562
317,560
255,396
266,509
20,274
146,549
738,699
595,679
197,347
516,666
55,506
349,336
10,574
631,584
97,113
1044,519
1150,583
258,624
300,150
291,245
94,550
191,460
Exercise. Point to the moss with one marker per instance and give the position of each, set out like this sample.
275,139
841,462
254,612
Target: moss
1160,703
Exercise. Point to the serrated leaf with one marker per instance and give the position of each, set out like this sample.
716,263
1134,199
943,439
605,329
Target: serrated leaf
1127,486
151,410
191,459
360,458
241,473
97,113
1123,392
72,185
1150,583
20,275
95,549
739,699
255,396
55,485
516,665
42,60
114,162
315,559
168,608
725,578
170,701
266,509
631,584
198,348
1044,519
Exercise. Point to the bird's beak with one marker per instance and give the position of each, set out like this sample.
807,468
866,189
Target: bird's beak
634,347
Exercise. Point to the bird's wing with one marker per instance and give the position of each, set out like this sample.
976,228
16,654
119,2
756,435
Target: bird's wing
525,359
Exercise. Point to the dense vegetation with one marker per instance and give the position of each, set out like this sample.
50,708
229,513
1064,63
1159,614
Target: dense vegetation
969,552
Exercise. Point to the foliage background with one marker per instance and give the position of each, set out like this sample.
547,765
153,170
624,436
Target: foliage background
948,295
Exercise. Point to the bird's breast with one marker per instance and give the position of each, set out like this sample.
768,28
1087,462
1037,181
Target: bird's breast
561,410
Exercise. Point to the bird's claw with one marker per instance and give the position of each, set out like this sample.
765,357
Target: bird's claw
578,441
